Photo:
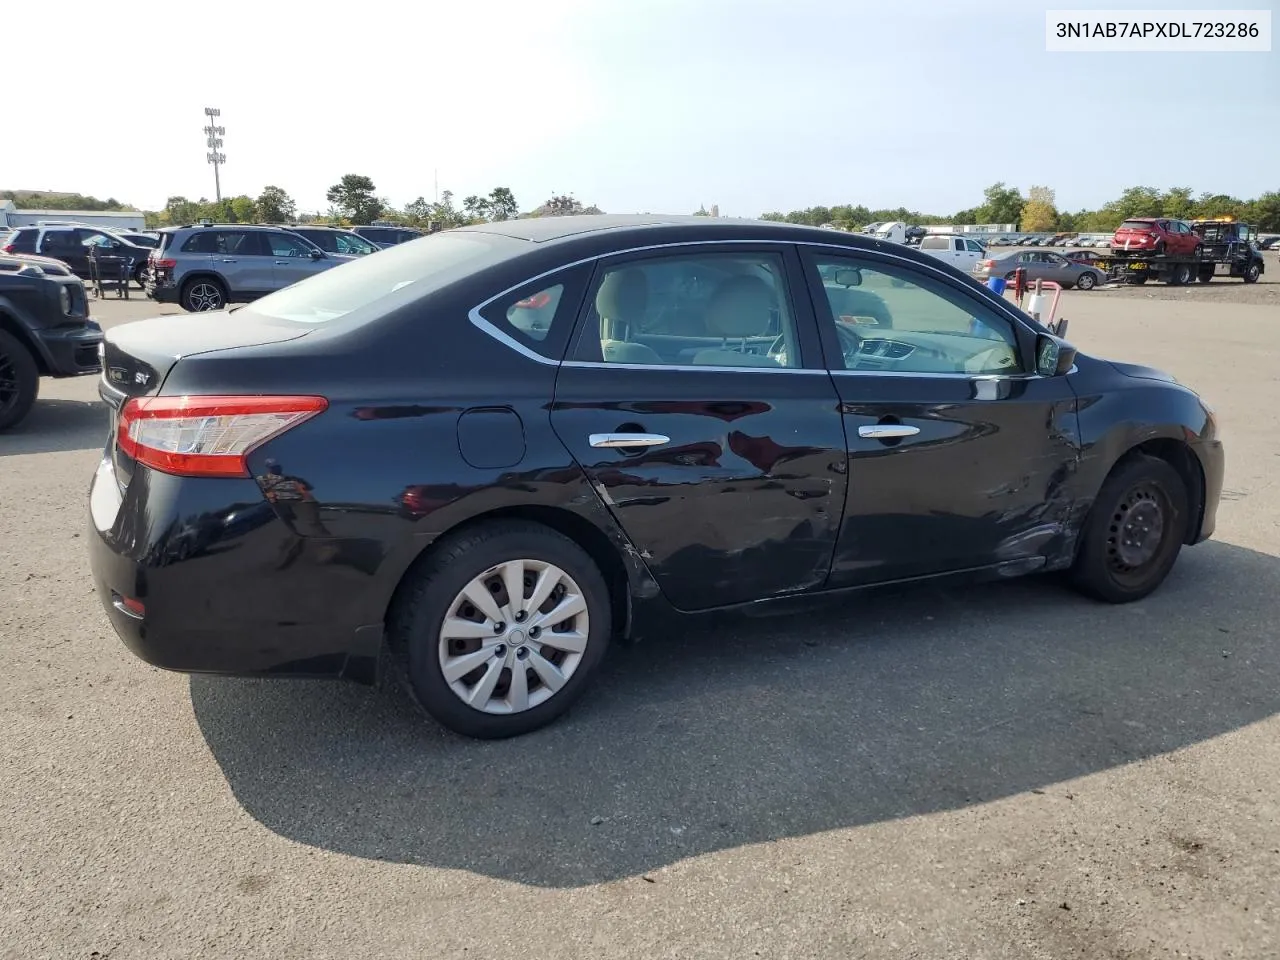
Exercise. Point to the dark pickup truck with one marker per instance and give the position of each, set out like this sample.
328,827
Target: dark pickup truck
45,331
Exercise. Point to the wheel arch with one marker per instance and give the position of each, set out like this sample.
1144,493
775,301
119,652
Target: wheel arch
12,326
204,273
587,535
1179,455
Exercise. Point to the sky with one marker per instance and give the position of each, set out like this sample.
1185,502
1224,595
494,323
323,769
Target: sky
644,106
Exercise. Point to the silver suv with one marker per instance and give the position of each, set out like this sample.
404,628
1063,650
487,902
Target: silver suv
207,266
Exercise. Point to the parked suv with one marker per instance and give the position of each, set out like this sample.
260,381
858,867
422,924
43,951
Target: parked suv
1149,234
207,266
388,236
45,331
335,239
71,244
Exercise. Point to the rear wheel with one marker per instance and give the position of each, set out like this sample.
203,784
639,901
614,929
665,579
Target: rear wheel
1134,532
504,628
19,380
1182,273
203,293
1206,274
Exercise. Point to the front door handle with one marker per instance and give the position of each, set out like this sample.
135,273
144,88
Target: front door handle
228,260
887,431
625,440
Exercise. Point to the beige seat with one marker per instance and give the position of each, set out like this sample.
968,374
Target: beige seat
621,302
741,307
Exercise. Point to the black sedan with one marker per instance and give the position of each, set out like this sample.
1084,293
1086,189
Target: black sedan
478,458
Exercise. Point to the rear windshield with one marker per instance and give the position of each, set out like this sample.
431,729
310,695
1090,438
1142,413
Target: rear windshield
396,276
1136,225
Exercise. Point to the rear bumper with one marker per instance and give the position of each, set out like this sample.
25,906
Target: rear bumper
161,294
71,351
225,586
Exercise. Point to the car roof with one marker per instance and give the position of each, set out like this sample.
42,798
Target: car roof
552,229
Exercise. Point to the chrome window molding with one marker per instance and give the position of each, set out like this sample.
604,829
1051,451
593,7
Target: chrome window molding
485,326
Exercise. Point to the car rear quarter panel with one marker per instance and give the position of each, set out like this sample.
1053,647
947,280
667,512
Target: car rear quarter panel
430,424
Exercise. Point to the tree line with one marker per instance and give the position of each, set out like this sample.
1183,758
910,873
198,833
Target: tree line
1038,212
354,201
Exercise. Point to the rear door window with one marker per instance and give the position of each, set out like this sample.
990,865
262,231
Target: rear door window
58,243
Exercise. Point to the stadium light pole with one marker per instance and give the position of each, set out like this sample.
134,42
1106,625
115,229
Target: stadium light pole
213,137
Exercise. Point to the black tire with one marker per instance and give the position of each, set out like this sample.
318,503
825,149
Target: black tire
425,600
1159,248
1181,274
1138,279
1011,276
202,290
1205,275
140,275
1087,281
19,380
1252,273
1114,569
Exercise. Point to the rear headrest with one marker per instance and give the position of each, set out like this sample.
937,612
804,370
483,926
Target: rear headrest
623,296
741,307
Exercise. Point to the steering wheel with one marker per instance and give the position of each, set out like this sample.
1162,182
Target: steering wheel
850,345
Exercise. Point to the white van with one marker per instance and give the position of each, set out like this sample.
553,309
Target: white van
961,252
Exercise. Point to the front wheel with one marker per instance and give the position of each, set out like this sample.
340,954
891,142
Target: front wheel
504,628
19,380
1134,532
1252,274
1087,281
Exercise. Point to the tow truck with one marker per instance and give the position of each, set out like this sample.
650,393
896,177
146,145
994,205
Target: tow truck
1229,249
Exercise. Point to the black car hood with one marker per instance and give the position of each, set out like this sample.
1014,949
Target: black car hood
1140,372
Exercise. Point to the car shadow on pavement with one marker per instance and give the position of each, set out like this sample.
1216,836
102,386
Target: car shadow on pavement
745,731
56,426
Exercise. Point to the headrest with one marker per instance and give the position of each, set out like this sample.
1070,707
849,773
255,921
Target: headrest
742,306
623,296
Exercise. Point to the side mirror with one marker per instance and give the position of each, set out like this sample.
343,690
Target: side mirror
317,254
1054,357
849,277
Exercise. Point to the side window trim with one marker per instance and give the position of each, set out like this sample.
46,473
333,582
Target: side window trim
490,316
1024,336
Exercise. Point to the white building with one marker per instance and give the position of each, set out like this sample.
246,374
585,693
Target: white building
11,216
972,228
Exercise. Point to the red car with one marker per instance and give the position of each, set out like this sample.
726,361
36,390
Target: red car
1173,237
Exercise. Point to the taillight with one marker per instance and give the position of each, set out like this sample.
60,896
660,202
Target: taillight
988,264
8,247
207,436
163,264
536,302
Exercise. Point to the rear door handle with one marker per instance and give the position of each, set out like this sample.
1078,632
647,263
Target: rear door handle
229,260
624,440
887,431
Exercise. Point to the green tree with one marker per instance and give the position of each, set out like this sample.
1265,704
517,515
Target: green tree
1002,204
354,196
1177,202
1218,205
1265,212
1037,217
502,204
243,210
276,206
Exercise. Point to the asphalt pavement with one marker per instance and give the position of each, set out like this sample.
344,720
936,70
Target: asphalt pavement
1008,771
